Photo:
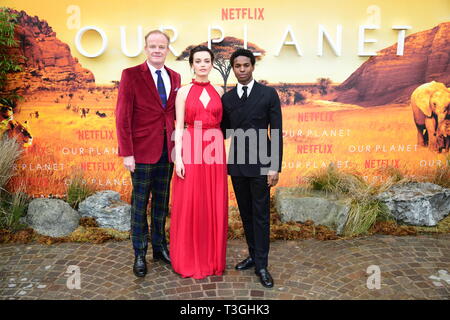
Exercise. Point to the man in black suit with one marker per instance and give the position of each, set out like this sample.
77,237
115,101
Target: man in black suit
255,158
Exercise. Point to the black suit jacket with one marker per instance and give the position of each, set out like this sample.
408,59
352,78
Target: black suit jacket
260,111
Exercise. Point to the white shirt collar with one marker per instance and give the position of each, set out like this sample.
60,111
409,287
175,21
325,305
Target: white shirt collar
164,74
153,69
240,91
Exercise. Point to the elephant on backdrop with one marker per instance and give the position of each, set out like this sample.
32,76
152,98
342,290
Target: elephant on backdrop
444,136
430,105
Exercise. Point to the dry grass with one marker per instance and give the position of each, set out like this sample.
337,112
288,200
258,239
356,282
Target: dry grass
10,152
368,215
335,181
12,204
78,190
365,209
441,175
367,126
395,175
371,135
58,143
86,232
392,228
281,230
442,227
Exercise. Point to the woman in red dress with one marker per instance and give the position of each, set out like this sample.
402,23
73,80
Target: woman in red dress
199,215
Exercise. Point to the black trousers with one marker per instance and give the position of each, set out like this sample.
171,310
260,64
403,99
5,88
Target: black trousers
253,198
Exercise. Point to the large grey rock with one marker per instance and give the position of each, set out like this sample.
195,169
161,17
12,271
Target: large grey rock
52,217
107,209
418,203
300,205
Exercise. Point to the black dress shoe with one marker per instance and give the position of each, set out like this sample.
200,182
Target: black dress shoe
245,264
140,266
265,278
162,255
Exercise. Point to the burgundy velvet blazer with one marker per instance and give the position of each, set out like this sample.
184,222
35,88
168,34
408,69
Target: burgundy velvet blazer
141,117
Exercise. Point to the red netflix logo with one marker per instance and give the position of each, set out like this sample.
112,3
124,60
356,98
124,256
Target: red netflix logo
36,150
314,148
381,163
315,116
242,13
95,134
98,166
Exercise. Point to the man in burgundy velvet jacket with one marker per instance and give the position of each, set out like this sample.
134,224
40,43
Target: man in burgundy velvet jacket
145,114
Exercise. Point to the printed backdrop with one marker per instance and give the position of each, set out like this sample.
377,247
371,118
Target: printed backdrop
344,70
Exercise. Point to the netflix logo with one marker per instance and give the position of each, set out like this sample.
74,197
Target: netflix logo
95,134
242,13
315,116
37,150
98,166
314,148
381,163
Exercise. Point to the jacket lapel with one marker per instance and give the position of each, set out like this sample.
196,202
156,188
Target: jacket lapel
173,88
235,101
242,110
150,83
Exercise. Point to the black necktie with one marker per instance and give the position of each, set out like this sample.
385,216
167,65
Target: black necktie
161,88
244,95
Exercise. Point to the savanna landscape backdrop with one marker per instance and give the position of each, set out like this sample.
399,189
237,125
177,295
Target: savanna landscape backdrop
357,117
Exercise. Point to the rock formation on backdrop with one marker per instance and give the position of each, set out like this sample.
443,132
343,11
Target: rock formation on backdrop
388,78
48,63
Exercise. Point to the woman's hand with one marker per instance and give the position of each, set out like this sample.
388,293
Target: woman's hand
179,168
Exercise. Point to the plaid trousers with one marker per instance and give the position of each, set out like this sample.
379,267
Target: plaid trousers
154,179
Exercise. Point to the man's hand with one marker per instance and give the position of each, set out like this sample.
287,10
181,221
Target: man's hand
272,178
129,163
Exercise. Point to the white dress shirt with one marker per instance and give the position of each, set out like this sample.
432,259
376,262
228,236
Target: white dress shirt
240,91
164,75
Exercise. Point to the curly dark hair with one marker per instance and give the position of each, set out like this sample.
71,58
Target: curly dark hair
242,52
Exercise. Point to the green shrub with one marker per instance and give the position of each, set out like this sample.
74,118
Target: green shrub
78,190
9,62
